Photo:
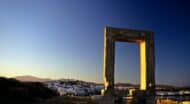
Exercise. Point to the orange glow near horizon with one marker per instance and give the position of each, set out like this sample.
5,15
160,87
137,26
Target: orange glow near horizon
143,65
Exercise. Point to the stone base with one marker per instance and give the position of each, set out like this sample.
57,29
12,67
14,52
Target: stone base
101,99
139,97
108,92
143,97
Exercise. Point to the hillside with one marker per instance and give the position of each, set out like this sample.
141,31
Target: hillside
16,92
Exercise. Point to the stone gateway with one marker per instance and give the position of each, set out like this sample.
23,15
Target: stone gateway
145,39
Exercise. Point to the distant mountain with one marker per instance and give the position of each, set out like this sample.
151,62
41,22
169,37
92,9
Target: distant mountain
126,85
31,79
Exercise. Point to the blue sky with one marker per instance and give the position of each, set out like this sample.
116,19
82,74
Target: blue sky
64,38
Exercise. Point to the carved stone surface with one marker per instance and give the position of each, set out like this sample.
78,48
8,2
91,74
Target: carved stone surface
145,39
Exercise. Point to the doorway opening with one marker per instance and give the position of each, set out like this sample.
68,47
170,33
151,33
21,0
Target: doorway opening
127,69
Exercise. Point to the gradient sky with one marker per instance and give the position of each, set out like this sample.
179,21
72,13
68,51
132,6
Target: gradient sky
64,38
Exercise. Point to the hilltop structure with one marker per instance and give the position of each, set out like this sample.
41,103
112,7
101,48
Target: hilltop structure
145,39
